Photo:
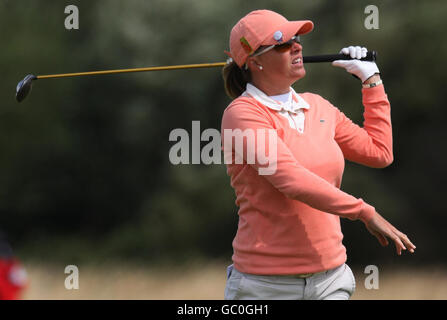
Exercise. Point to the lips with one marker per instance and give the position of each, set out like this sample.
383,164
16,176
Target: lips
297,61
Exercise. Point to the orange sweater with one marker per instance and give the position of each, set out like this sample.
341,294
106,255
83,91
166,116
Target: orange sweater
289,221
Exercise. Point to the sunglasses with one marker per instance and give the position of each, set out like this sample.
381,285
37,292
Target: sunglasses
283,47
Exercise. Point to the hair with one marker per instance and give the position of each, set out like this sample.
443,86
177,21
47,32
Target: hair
235,79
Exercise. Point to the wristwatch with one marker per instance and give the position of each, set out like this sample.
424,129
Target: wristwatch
371,85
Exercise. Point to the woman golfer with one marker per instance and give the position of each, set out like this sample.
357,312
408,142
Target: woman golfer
289,241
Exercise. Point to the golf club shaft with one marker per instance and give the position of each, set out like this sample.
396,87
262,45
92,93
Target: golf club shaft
89,73
371,56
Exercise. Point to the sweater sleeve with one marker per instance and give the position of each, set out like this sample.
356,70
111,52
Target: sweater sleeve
371,145
289,177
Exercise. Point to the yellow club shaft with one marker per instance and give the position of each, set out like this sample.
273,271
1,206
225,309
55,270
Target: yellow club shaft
89,73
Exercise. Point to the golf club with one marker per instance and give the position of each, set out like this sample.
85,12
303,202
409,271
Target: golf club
24,86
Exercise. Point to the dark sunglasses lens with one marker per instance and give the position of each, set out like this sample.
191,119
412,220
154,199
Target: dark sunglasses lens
283,47
287,45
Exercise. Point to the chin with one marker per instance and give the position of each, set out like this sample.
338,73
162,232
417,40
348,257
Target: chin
299,74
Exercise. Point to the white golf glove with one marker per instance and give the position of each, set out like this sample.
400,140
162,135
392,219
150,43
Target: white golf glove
362,69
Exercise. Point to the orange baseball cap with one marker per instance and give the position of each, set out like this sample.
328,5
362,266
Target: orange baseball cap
262,28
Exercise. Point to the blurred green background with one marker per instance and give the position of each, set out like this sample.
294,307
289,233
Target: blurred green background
84,168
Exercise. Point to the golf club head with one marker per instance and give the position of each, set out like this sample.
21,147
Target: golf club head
24,87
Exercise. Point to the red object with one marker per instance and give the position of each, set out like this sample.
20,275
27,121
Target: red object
13,279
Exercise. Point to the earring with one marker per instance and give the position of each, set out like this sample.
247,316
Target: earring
260,68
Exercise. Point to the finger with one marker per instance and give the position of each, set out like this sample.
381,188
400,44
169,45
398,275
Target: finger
364,52
358,52
340,63
399,245
397,242
391,232
382,239
352,51
345,51
408,244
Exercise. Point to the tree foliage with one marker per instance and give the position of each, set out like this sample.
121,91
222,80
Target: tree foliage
84,165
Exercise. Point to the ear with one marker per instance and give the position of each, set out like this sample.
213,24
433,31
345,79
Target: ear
253,62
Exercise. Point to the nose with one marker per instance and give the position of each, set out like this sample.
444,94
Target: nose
296,47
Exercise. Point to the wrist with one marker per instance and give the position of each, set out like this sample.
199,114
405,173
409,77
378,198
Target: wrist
367,213
374,78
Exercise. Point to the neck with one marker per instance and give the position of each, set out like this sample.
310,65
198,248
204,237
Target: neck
271,88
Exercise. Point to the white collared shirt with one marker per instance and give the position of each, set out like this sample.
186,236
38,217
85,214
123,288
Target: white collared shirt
292,109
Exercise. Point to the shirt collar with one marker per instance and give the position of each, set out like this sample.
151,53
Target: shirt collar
295,102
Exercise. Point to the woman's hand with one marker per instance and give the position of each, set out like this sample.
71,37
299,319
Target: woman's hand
361,69
382,230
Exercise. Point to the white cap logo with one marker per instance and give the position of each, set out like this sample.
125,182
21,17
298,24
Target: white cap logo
278,36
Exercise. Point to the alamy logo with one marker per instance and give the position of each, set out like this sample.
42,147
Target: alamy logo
372,20
256,147
372,280
72,280
72,20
